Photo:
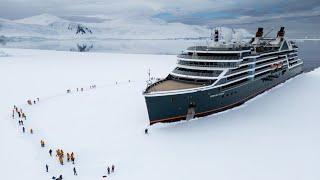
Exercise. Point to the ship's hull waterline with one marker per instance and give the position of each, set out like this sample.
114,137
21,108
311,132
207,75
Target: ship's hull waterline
171,108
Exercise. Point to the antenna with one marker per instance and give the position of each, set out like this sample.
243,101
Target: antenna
149,77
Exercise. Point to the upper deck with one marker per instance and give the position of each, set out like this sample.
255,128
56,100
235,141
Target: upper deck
220,48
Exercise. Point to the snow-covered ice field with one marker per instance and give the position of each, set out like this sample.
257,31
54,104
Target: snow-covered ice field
274,136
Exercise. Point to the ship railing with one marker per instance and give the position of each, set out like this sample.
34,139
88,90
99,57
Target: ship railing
295,54
188,73
238,70
218,65
185,56
264,63
248,60
231,48
237,77
263,69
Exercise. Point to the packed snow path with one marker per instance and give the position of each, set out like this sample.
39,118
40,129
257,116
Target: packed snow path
274,136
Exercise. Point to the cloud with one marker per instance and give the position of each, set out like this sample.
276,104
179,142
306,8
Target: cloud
253,19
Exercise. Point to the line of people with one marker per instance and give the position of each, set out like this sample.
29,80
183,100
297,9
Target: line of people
109,171
82,89
59,152
30,102
18,112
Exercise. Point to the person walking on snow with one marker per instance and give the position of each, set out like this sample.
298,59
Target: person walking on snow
146,131
31,131
50,152
42,143
59,178
24,116
108,169
75,171
47,168
23,130
68,157
112,168
72,159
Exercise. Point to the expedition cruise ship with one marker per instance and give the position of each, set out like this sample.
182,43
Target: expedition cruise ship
210,79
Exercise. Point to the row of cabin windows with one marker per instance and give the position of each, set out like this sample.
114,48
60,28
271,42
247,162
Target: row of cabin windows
196,81
262,61
237,75
261,74
265,56
197,72
268,61
293,63
234,84
275,54
208,64
240,68
292,55
215,54
262,68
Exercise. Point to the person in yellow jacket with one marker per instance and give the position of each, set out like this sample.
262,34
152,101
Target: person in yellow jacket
42,143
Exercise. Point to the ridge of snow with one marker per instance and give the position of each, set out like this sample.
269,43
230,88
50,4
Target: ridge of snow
42,19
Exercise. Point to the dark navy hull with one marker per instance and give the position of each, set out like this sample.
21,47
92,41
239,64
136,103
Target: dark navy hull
170,108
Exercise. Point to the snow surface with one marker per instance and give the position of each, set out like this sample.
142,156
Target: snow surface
3,54
274,136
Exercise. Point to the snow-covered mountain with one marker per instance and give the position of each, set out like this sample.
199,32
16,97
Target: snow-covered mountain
43,19
44,25
49,26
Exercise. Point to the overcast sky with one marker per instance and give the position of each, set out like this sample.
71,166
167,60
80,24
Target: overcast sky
201,12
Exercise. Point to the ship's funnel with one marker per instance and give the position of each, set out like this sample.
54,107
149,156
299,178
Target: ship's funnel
259,32
281,32
216,35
